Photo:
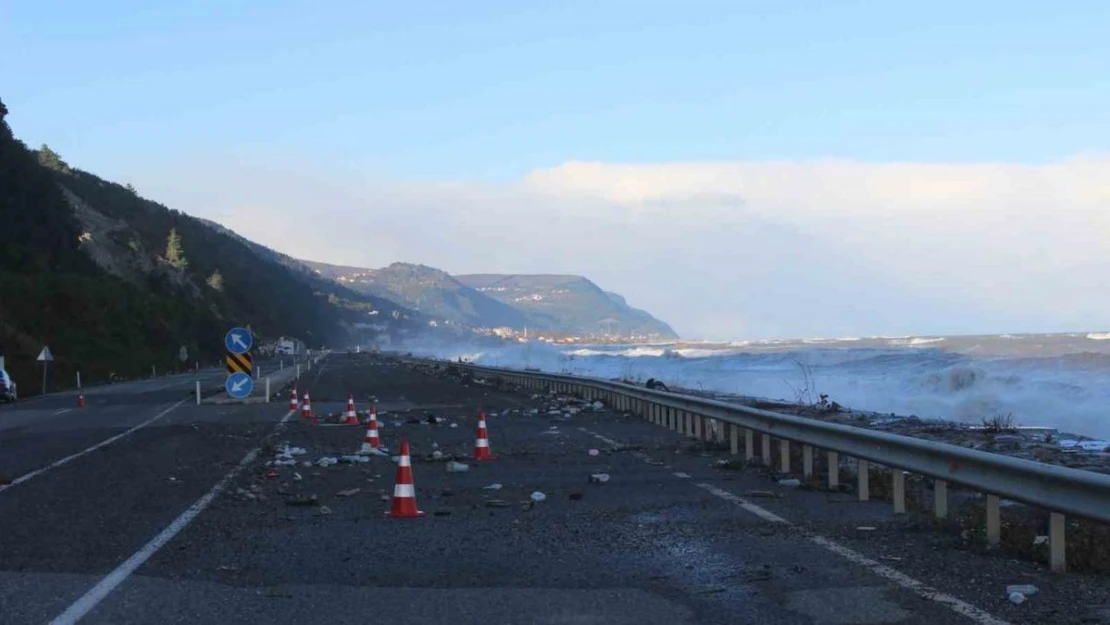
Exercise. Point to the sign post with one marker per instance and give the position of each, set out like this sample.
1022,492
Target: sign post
45,357
240,363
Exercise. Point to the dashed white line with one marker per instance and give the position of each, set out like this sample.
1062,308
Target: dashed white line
111,581
104,443
921,589
62,411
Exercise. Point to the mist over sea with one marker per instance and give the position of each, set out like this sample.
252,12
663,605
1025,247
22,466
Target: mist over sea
1058,380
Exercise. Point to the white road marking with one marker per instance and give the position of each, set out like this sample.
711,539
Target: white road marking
112,580
62,411
104,443
921,589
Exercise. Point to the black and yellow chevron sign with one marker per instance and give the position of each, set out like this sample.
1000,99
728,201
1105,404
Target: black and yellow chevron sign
239,363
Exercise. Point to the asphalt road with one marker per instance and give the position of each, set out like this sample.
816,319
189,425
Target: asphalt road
181,521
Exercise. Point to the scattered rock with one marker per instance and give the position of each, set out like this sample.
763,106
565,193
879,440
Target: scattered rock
309,500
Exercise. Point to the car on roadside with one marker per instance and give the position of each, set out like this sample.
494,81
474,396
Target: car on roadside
8,391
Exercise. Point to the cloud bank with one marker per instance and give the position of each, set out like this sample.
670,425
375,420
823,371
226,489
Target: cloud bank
720,250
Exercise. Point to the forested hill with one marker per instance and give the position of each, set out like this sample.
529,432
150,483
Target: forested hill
115,282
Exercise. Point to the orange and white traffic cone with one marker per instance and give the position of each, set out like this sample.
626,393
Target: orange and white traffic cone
293,404
306,407
80,401
350,418
372,442
404,491
481,446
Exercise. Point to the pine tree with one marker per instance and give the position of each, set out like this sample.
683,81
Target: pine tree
216,280
174,253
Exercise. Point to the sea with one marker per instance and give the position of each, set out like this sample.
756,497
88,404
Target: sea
1053,380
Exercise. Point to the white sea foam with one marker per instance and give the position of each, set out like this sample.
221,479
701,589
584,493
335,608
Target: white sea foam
1050,380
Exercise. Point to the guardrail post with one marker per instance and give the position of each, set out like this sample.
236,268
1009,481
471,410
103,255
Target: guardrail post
784,456
863,479
807,461
1056,553
940,499
834,469
733,439
766,455
994,521
898,482
198,392
749,445
267,389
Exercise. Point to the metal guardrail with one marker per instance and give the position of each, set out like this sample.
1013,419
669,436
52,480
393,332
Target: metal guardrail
1058,489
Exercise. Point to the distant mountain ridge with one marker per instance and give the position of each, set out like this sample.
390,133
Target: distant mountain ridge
570,303
563,304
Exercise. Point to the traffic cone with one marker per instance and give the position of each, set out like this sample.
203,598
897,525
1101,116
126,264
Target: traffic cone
293,404
350,418
404,491
481,447
306,407
371,442
80,401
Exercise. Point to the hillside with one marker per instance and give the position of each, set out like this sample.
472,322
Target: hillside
571,304
113,282
427,290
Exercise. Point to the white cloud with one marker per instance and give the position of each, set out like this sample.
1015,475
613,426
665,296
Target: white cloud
721,249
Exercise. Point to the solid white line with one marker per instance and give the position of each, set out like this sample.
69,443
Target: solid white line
111,581
104,443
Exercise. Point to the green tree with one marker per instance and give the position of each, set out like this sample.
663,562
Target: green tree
174,252
51,160
216,280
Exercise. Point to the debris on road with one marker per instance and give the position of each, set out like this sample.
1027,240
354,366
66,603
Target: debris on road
1025,589
326,461
492,487
457,467
791,482
599,478
348,492
324,510
302,501
594,452
538,496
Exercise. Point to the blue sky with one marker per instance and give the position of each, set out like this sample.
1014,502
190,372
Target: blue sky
490,90
212,106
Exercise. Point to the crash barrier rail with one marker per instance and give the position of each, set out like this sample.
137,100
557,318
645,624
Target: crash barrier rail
1059,490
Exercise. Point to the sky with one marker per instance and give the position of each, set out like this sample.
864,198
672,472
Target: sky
740,169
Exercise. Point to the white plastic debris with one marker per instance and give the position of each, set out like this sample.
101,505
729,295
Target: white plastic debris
457,467
437,454
538,496
454,425
283,462
599,478
594,452
1025,589
326,462
1040,540
355,459
1017,598
306,464
492,487
297,477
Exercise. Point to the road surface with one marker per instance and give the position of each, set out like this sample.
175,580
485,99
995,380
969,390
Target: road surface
181,521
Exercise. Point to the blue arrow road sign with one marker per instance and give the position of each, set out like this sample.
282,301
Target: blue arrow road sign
238,340
239,385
